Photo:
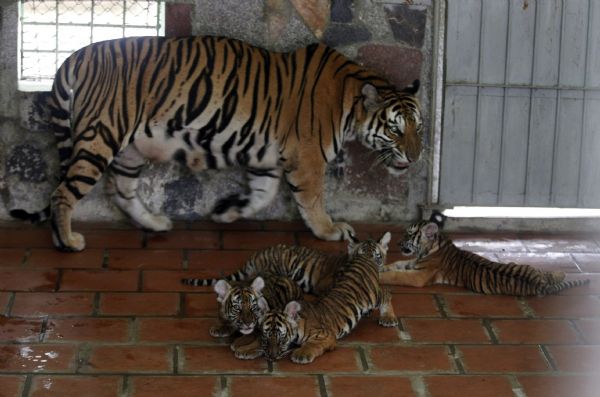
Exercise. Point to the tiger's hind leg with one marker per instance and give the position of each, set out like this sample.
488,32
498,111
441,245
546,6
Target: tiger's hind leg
314,347
387,316
122,186
92,154
263,186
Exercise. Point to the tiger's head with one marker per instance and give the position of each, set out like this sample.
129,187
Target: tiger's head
279,331
392,126
374,249
242,305
422,238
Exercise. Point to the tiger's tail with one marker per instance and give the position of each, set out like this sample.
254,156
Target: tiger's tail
56,113
556,288
205,282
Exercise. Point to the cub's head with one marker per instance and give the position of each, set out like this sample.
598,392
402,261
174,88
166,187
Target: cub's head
373,249
393,126
423,237
242,305
279,331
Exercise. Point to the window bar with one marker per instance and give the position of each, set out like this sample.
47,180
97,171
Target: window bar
158,17
21,9
56,37
92,23
124,14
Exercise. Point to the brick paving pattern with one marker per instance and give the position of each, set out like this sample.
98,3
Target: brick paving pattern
114,320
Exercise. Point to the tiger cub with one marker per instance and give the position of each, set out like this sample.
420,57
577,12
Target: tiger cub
313,270
316,325
243,304
438,261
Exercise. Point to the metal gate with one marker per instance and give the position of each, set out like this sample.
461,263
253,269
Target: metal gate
521,112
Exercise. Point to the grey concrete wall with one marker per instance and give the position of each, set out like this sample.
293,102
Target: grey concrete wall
391,36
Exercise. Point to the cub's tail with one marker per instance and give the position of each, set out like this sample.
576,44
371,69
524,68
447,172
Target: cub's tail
205,282
556,288
33,217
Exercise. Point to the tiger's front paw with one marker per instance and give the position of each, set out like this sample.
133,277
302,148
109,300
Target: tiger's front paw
229,209
388,321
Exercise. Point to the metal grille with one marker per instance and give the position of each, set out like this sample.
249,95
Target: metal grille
51,30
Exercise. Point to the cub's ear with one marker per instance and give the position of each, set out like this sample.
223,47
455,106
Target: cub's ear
384,241
263,304
258,284
222,287
352,241
438,218
371,98
431,230
413,88
292,309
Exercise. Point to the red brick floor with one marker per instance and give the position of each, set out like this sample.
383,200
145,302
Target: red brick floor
114,320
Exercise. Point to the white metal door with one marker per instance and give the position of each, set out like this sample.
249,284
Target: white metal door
521,109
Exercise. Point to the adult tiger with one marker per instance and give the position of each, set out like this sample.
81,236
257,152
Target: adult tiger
436,260
316,325
212,102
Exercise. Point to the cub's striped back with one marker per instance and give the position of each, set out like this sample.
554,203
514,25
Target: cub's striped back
311,269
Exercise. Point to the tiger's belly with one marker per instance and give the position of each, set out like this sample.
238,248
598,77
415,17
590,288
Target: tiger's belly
224,149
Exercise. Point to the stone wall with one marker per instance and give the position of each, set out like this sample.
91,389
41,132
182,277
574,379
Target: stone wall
393,37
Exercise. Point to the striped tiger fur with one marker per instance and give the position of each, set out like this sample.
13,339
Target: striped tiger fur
243,304
436,260
311,269
210,103
316,325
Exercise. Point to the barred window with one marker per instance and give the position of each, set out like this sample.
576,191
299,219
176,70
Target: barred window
51,30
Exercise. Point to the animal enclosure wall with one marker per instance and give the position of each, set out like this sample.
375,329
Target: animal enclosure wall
393,37
522,103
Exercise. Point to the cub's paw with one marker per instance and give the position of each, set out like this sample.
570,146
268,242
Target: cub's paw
388,321
221,331
247,353
74,243
229,209
243,341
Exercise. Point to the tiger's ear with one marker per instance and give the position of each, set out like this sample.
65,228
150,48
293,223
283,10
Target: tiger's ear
263,304
371,98
413,88
431,230
352,243
384,241
258,284
222,287
437,218
292,309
